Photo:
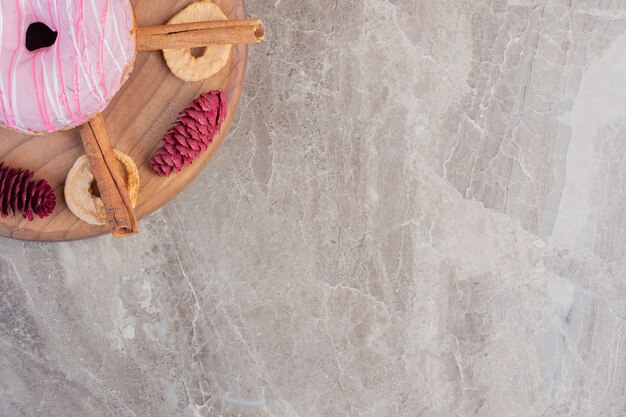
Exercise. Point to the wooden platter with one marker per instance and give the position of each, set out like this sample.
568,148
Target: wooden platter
136,120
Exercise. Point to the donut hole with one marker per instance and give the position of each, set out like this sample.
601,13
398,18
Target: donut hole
198,52
39,35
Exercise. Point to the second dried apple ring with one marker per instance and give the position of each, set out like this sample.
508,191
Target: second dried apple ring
181,62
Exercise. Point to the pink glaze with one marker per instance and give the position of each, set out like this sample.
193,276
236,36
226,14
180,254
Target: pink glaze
62,85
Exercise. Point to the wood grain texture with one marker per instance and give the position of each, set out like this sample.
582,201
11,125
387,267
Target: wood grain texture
136,120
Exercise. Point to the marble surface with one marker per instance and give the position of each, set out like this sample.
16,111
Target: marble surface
419,212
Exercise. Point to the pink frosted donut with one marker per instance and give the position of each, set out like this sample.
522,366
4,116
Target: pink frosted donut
50,81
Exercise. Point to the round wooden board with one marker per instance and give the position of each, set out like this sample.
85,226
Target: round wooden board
136,120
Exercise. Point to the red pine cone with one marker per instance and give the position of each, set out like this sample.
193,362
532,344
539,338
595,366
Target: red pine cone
19,193
191,134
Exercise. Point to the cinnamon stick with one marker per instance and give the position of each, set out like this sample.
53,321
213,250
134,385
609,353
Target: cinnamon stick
109,177
197,34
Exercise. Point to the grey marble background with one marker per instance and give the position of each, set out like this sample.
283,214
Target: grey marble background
419,212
